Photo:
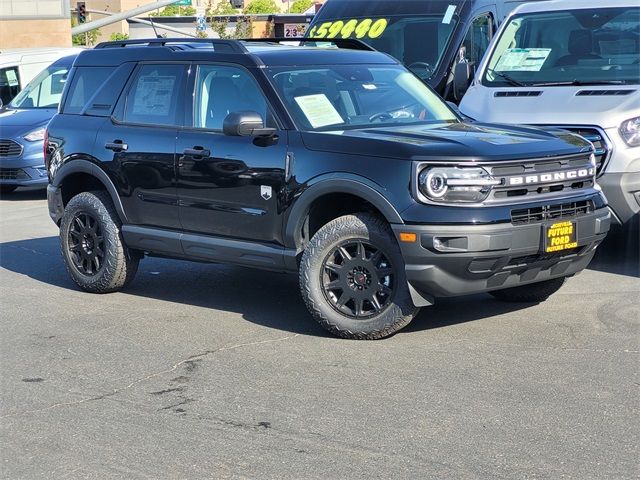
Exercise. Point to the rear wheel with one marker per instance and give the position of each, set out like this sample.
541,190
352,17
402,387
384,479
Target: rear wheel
92,244
535,292
7,188
353,281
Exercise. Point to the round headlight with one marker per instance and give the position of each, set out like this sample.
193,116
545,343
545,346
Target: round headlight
436,184
455,184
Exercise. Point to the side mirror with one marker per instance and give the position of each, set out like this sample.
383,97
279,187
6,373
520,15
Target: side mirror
245,124
462,76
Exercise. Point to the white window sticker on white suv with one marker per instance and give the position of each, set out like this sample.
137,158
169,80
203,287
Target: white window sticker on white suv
523,60
319,110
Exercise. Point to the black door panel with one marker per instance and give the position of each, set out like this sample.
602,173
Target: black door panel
141,144
146,169
229,186
234,190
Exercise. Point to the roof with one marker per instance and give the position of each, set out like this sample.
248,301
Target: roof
555,5
256,53
19,55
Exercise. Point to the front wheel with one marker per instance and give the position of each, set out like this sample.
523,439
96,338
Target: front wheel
92,244
532,293
353,281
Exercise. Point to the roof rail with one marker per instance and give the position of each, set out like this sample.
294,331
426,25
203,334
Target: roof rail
236,46
347,43
228,46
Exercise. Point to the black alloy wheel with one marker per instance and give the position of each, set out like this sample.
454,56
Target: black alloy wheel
352,278
86,244
358,279
92,245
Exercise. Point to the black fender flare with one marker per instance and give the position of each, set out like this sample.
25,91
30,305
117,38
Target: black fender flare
85,166
358,187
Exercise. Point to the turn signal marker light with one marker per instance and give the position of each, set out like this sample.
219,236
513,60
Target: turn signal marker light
408,237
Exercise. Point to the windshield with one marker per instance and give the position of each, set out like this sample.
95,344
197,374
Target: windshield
419,42
357,96
44,91
580,47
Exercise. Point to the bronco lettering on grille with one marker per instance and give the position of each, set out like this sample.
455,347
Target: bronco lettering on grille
552,177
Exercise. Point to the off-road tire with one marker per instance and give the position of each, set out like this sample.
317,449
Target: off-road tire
119,265
532,293
4,189
399,310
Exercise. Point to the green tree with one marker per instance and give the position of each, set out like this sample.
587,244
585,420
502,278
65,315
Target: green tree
175,11
223,8
117,36
87,39
301,6
261,6
220,24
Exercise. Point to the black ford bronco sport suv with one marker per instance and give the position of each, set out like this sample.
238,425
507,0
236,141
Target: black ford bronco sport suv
336,163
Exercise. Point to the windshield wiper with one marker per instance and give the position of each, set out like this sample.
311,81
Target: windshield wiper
578,83
510,80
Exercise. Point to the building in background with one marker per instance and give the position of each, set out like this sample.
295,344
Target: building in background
34,23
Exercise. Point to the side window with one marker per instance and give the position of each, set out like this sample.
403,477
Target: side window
84,84
9,83
477,40
221,90
154,96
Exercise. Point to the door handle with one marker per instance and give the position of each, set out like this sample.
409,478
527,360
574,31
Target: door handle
198,153
116,146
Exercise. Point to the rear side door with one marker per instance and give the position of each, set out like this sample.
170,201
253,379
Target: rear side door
137,145
229,186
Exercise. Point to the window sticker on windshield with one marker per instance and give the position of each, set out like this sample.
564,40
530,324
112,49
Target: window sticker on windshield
448,15
12,79
523,59
319,110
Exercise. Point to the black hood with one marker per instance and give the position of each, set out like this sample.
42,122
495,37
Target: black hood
449,142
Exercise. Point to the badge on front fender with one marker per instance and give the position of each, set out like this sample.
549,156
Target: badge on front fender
266,192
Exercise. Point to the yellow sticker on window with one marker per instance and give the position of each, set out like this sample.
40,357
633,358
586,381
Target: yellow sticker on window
351,28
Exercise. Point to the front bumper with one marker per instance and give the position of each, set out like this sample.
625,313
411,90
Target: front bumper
480,258
623,194
26,170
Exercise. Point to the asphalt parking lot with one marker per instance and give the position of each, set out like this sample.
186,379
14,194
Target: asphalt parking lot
209,371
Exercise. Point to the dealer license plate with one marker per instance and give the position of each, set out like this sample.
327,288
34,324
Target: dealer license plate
560,236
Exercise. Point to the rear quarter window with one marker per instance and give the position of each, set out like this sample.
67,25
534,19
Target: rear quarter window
84,84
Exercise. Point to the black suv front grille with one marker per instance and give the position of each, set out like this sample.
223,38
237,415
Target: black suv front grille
9,173
9,148
558,211
552,176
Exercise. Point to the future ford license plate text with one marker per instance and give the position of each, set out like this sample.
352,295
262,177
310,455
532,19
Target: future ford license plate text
560,236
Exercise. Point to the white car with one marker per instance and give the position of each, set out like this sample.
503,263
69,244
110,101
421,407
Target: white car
573,64
18,67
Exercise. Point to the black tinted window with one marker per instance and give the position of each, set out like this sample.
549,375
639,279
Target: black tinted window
154,96
9,83
84,85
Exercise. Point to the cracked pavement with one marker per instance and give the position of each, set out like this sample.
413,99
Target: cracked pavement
210,371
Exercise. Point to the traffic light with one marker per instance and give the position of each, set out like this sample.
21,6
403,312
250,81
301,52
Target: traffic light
81,11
